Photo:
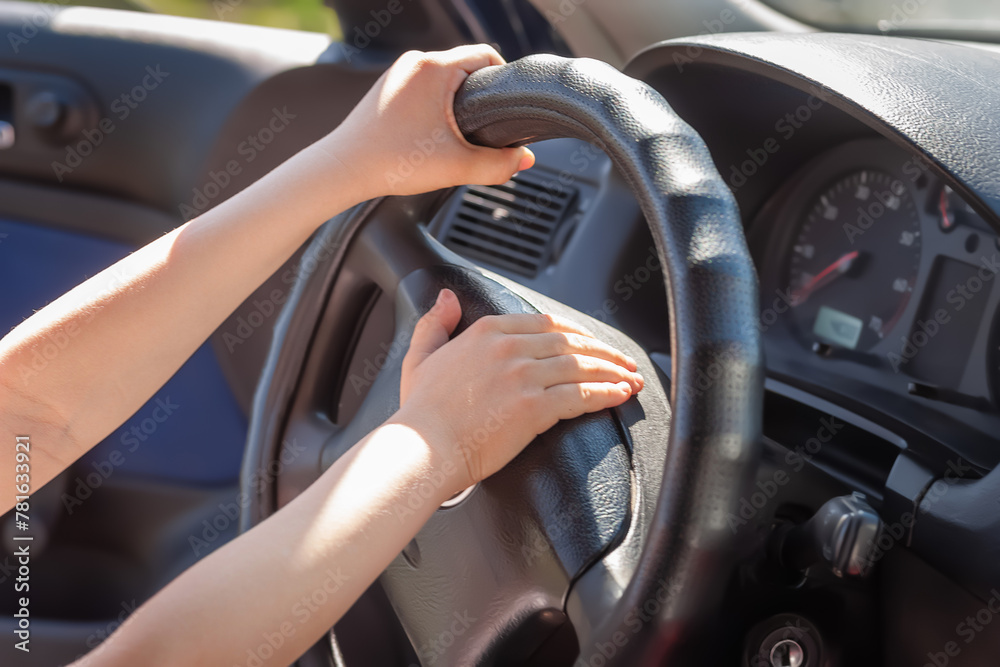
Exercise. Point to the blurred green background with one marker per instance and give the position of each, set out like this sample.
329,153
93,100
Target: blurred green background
295,14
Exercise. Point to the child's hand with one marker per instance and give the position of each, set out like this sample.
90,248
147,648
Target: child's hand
402,137
479,399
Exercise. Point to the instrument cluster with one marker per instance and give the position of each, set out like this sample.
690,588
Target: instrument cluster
878,281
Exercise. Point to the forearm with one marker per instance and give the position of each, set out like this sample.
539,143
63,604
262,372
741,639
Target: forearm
294,575
128,329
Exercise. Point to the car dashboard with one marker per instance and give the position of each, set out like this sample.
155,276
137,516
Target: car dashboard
876,275
876,286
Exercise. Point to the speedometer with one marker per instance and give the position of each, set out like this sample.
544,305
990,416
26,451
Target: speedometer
854,261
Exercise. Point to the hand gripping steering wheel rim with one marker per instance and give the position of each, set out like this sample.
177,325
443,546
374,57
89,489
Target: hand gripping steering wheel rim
669,532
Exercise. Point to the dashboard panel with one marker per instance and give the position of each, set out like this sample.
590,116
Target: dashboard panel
918,296
877,283
920,389
868,190
794,124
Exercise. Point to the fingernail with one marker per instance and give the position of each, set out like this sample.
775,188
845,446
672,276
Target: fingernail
631,362
527,160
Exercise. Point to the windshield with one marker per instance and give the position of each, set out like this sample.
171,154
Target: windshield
959,18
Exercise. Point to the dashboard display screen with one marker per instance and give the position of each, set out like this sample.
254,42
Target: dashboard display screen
941,338
839,328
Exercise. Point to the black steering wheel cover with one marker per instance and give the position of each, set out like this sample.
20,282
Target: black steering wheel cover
717,361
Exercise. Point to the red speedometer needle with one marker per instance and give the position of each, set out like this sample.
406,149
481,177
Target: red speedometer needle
946,221
824,277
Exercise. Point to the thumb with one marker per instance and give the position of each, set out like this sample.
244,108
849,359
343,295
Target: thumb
432,330
496,166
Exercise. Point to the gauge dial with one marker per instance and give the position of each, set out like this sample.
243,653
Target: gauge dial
854,260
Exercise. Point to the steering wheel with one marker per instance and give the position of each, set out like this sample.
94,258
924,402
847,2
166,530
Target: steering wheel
610,531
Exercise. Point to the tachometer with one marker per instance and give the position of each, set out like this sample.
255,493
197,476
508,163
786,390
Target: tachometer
854,261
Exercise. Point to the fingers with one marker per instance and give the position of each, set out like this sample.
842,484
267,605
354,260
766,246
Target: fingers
573,400
566,352
535,324
433,329
545,345
492,166
544,336
471,57
582,369
467,59
486,166
525,158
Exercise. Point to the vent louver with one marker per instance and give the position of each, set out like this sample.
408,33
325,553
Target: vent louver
511,226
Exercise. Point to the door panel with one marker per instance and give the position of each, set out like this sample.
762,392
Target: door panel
162,490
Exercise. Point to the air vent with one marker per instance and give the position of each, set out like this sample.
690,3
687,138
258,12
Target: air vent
511,226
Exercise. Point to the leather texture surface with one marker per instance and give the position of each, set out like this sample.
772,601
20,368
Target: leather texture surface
713,295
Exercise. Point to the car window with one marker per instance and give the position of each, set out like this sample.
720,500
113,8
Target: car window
895,15
310,15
